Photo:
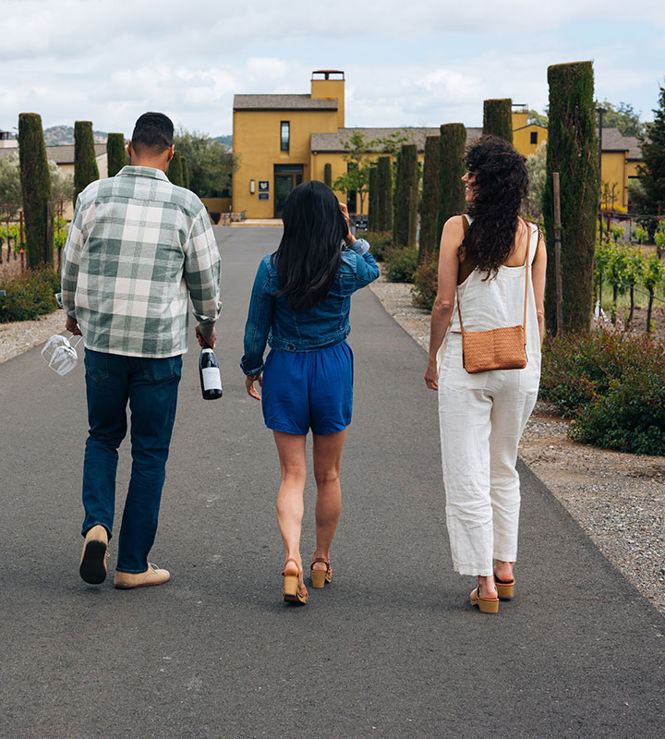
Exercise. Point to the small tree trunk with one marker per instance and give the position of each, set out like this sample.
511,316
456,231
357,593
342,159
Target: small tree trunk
615,297
632,306
648,328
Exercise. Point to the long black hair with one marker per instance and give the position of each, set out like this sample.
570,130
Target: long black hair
499,188
309,254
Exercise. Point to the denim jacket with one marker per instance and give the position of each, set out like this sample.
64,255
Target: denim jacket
271,320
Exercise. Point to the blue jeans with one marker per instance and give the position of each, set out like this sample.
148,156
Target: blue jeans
151,387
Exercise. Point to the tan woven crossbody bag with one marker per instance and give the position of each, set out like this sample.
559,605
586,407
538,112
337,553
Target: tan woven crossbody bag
498,348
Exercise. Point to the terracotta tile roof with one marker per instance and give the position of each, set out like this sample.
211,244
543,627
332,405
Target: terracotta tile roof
282,102
333,142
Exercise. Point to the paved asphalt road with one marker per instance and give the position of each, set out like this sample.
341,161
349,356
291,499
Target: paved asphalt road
390,649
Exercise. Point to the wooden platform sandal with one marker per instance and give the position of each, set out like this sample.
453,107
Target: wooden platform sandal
292,590
320,577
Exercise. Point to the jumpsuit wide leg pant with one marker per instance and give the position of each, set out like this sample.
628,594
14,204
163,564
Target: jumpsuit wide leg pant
482,417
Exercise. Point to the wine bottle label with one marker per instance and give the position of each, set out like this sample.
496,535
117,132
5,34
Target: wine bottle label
212,380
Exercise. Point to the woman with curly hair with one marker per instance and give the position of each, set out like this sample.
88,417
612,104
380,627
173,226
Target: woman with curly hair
491,261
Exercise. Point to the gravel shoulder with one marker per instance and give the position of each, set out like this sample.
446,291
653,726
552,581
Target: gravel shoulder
618,499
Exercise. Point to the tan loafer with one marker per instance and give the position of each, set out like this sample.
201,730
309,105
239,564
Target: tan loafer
152,576
92,566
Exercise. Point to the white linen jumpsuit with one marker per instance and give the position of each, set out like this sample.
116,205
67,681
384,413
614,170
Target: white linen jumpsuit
482,417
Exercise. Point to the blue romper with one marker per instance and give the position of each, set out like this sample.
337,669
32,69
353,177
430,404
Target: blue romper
308,374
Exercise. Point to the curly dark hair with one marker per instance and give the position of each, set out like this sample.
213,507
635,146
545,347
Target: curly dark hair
499,188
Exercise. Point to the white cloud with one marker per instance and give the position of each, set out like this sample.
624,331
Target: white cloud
416,63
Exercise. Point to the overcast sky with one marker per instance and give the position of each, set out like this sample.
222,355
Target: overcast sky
407,62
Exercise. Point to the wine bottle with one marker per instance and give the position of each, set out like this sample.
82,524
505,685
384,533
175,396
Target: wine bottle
211,379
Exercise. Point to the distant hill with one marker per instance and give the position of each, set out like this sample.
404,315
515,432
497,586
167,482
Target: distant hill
226,140
57,135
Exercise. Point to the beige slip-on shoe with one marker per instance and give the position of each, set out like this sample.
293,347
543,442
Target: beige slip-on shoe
92,566
152,576
485,605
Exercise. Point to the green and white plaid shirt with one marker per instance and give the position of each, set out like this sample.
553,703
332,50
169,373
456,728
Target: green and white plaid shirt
137,247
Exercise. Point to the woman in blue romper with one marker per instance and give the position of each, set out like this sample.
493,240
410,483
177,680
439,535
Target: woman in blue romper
300,306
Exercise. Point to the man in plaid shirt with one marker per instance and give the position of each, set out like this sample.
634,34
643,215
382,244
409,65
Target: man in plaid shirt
138,248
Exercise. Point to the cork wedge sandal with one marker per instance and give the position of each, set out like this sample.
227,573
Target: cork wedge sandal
485,605
505,588
320,577
292,590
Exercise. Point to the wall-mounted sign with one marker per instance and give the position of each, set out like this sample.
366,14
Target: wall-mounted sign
264,186
264,196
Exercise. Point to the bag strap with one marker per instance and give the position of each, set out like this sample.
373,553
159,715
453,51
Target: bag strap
465,228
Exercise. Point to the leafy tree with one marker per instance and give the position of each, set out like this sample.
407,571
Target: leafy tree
62,184
116,152
327,174
85,160
186,177
539,119
429,209
358,163
621,116
498,118
10,184
36,189
210,163
651,172
572,151
633,274
616,271
536,165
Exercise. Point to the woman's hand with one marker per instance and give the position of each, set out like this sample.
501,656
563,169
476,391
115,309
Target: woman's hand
349,238
431,375
249,384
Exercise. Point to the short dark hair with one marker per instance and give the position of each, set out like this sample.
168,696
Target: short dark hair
153,131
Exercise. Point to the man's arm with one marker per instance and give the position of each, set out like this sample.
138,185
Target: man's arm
203,275
70,268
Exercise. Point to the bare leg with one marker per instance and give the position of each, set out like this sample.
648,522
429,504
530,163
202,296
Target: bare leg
504,570
327,453
486,587
290,507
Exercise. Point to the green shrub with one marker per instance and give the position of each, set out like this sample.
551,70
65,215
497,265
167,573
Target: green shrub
380,242
401,264
612,384
425,282
30,295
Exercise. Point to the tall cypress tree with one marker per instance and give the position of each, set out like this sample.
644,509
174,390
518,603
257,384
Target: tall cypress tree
429,211
498,118
327,174
405,205
175,173
451,170
384,186
116,153
185,171
373,204
85,161
36,189
572,150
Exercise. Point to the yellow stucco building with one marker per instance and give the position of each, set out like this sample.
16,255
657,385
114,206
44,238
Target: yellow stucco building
283,140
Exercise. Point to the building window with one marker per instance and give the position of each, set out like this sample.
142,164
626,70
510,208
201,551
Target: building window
284,135
534,137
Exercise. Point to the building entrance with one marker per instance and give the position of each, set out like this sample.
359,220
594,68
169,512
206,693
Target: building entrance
287,176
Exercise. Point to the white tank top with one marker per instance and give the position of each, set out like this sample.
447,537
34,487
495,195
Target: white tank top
499,301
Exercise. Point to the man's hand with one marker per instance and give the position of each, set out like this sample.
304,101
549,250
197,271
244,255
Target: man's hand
249,384
205,335
72,327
